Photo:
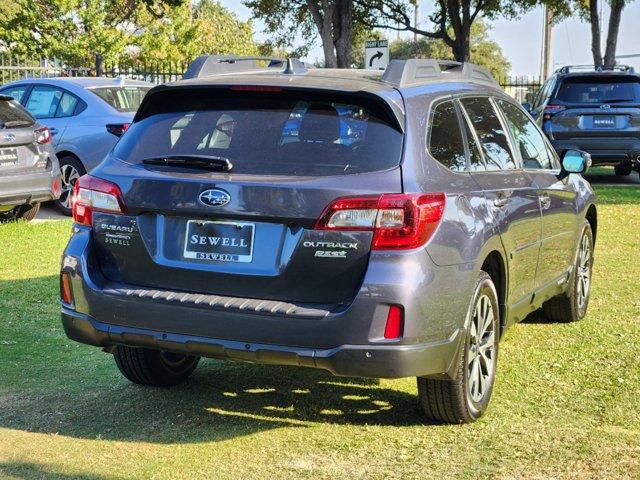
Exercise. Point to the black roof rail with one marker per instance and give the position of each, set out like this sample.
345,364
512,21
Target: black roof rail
419,71
593,68
207,65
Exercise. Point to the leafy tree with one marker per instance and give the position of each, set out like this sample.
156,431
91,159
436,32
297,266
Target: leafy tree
589,10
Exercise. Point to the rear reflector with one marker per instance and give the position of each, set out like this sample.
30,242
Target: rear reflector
397,220
393,327
92,194
65,288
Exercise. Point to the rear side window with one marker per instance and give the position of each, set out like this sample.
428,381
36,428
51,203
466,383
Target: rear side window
528,139
123,99
268,133
599,89
16,92
493,138
446,144
43,101
12,115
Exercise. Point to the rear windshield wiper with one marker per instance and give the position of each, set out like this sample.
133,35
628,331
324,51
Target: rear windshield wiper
205,162
16,123
618,100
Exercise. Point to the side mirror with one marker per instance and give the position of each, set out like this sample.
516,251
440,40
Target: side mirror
526,106
575,161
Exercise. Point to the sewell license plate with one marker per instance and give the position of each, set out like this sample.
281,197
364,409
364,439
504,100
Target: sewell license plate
219,241
604,121
8,157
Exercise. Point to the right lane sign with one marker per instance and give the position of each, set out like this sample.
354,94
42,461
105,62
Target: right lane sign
376,54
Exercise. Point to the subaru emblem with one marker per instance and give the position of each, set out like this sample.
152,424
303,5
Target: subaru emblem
214,197
9,137
605,106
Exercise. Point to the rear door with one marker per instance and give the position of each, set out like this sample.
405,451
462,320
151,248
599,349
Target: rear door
511,194
247,232
557,197
52,106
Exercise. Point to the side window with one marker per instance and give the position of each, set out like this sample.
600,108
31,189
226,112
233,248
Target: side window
476,162
528,139
67,105
43,101
16,92
493,138
446,144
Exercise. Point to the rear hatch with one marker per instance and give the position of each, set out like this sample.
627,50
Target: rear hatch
18,149
223,186
602,105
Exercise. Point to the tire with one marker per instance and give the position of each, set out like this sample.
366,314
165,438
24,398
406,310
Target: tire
571,306
463,399
70,170
622,169
154,368
9,215
28,212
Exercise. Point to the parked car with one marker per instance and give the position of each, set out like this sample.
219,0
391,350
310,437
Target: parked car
85,116
597,111
29,172
405,254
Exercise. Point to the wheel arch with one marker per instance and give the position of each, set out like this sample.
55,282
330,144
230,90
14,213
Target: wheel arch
495,266
69,153
592,218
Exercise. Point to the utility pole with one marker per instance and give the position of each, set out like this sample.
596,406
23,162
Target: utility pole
415,21
546,43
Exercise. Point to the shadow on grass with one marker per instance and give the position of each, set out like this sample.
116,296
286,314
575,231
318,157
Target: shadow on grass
29,471
58,387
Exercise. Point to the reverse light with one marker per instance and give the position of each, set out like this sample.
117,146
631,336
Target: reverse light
43,135
395,320
65,288
118,129
92,194
398,221
550,110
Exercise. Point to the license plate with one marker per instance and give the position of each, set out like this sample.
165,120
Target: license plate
219,241
8,157
604,121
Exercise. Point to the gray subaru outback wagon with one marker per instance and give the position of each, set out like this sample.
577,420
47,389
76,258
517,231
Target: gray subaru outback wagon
376,224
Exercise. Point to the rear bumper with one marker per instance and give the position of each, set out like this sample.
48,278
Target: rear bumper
34,187
602,150
377,361
344,339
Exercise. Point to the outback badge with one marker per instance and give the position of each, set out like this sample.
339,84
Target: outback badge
214,197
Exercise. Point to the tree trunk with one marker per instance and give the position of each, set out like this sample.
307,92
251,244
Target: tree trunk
612,33
342,31
594,19
322,14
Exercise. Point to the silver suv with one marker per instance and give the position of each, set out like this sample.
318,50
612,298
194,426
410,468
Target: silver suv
29,171
366,223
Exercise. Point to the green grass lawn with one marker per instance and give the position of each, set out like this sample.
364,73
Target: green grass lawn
566,403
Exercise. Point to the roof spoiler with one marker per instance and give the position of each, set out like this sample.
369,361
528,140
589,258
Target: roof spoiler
208,65
419,71
592,68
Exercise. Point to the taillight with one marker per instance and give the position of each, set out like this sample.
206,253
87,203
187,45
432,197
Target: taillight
395,320
118,129
43,135
91,194
551,110
397,220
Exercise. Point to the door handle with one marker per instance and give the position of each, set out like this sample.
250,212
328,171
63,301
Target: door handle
545,201
53,131
500,201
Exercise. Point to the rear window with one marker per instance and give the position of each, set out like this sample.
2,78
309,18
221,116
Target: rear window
123,99
269,133
12,115
601,89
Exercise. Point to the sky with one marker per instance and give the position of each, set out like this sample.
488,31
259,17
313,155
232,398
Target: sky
521,39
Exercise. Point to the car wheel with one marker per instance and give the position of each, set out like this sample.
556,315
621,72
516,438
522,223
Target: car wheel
154,367
28,212
571,306
8,215
70,170
465,398
622,169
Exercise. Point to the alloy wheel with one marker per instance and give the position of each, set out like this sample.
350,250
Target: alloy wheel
69,176
482,349
584,272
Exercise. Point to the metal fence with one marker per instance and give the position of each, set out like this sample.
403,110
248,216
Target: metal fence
522,88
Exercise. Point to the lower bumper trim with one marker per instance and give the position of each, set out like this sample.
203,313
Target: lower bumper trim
374,361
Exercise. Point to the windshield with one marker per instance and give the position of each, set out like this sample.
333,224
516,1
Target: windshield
267,133
123,99
12,115
614,89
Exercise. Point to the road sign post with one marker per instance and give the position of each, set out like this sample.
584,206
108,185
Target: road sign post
376,54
